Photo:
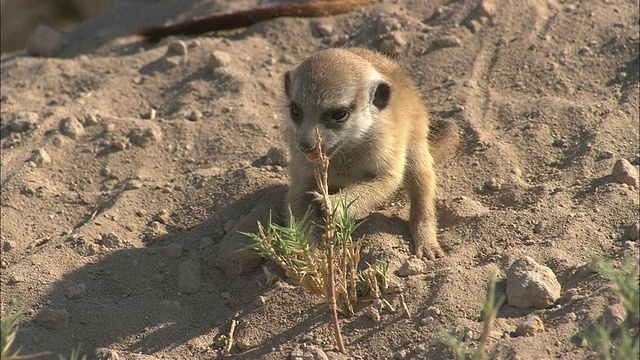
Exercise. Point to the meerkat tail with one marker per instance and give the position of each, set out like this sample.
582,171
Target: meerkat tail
444,138
245,18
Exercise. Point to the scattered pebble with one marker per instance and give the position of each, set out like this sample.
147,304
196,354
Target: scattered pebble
219,59
173,250
531,285
194,115
413,266
178,47
558,142
621,76
24,121
531,325
624,173
106,354
133,184
44,41
77,291
163,217
493,184
432,312
52,319
614,315
111,241
7,246
606,154
447,42
394,45
322,29
277,156
539,228
41,158
143,137
188,277
71,127
373,314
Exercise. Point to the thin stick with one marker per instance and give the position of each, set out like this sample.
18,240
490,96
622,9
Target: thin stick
407,313
234,322
321,175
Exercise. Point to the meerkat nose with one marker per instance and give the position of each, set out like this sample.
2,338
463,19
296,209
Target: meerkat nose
306,147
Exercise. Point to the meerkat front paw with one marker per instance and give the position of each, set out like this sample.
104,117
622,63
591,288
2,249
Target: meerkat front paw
426,244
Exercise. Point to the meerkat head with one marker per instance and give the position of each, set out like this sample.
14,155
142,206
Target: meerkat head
338,93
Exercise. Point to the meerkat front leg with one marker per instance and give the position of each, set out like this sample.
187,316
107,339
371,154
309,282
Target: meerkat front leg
420,181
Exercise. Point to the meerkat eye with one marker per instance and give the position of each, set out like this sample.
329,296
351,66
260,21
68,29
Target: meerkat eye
340,115
294,111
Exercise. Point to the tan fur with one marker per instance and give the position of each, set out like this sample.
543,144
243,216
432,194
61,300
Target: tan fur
381,146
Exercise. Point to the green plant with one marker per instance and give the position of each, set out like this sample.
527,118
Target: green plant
8,331
619,342
460,345
323,258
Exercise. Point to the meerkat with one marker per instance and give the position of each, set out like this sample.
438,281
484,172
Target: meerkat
374,129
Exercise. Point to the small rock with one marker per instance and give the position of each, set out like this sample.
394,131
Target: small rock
413,266
77,291
133,184
373,314
277,156
106,354
219,59
44,41
71,127
615,314
432,311
41,158
143,137
493,184
606,154
178,47
163,217
314,353
15,279
530,284
558,142
621,76
395,45
52,319
24,121
57,140
634,231
194,115
624,173
173,250
91,120
322,29
539,228
447,42
111,241
205,242
7,246
188,277
531,325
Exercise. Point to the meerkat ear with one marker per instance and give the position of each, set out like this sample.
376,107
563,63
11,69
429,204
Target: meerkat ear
381,94
287,84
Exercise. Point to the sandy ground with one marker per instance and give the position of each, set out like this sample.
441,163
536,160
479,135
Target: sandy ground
118,237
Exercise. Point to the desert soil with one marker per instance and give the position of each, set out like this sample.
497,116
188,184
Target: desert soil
125,164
